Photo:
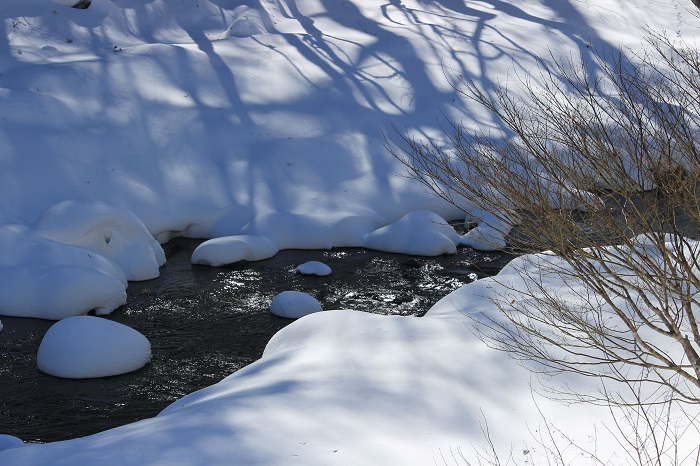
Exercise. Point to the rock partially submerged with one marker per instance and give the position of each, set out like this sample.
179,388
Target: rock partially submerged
313,268
83,347
231,249
294,304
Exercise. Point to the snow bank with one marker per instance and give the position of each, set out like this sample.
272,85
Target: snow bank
313,268
279,134
84,347
75,258
228,250
340,387
421,233
9,441
294,304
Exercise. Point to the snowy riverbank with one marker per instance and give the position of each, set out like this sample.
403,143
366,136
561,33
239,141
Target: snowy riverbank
269,118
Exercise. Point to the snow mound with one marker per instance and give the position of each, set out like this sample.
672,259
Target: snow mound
490,232
9,441
55,292
421,233
84,347
313,268
230,249
47,280
109,230
248,22
294,304
77,257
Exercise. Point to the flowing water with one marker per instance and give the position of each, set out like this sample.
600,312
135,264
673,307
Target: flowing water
205,323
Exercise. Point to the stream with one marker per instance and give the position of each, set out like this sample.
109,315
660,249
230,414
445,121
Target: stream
205,323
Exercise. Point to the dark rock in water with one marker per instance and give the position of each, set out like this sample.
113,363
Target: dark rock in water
414,263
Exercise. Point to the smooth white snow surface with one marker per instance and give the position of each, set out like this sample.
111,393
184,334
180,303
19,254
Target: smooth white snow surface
230,249
83,347
206,119
313,268
9,441
294,304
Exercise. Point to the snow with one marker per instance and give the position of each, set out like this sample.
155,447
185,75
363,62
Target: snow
421,233
490,232
110,231
230,249
83,347
313,268
247,22
346,387
294,304
75,258
133,121
9,441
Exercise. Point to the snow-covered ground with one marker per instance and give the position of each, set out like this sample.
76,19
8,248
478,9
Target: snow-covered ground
266,120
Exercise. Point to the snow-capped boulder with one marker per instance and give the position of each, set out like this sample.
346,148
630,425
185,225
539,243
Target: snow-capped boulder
491,230
47,280
421,233
111,231
294,304
55,292
77,257
313,268
84,347
230,249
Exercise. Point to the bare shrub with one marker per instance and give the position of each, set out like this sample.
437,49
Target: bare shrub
599,165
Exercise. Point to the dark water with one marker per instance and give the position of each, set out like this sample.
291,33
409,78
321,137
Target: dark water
205,323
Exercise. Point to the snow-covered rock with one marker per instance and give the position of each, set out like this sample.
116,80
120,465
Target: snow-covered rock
111,231
230,249
86,347
77,257
313,268
294,304
421,233
490,232
57,291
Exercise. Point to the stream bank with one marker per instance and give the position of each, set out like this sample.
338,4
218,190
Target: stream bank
205,323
